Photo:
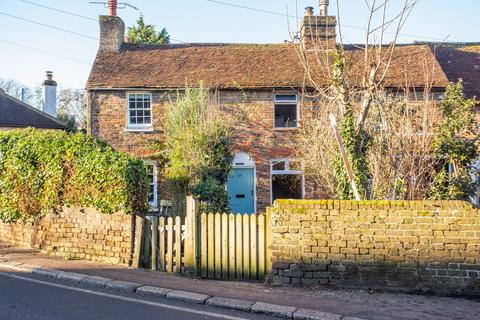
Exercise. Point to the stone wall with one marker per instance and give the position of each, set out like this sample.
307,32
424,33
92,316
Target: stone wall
413,246
75,233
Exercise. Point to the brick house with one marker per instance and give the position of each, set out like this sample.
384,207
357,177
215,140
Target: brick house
262,84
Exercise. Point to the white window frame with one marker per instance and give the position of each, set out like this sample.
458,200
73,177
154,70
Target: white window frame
287,102
153,205
136,126
285,171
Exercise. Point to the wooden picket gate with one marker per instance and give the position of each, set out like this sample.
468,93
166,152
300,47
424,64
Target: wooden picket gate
210,245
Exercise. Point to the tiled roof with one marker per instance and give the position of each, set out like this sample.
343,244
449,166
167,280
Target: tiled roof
17,114
241,66
461,62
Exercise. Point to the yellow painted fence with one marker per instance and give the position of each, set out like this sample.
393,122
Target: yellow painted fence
210,245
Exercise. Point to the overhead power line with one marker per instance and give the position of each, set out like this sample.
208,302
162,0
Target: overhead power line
72,14
296,17
59,10
44,52
49,26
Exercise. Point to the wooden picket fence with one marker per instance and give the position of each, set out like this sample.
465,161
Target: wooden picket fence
209,245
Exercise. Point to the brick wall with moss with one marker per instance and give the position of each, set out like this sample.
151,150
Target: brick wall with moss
75,233
413,246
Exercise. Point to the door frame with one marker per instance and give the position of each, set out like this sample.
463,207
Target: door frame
250,164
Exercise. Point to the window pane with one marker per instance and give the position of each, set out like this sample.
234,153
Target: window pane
146,113
278,166
149,168
286,97
286,186
140,120
147,120
133,120
285,116
151,196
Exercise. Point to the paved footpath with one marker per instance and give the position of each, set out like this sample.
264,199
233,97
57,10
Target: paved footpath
329,304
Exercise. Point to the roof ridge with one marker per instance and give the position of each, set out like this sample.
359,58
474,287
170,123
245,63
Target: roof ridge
8,96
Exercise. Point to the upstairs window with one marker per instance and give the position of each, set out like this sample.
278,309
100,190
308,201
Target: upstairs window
286,111
139,110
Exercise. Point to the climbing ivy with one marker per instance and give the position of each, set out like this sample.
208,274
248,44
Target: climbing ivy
44,170
356,143
356,146
455,144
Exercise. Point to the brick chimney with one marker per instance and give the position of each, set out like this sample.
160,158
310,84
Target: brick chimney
49,92
112,29
318,32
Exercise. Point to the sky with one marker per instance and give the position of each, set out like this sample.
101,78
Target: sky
28,50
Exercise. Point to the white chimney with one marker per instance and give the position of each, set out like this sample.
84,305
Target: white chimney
49,90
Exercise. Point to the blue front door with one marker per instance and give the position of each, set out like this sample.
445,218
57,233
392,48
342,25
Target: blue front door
240,187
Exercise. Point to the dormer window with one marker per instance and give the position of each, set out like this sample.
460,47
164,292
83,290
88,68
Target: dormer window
286,111
139,111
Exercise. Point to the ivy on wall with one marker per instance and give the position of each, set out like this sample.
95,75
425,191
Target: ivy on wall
455,144
42,170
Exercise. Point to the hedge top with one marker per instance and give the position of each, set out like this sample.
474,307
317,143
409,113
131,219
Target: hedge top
42,170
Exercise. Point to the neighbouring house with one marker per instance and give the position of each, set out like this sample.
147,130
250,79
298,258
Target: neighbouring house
261,84
16,114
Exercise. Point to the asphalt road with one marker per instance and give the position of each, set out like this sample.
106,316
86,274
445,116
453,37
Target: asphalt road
26,297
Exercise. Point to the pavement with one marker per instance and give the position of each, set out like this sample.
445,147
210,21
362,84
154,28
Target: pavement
255,298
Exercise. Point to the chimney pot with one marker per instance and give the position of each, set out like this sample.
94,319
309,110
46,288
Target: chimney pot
309,11
112,8
324,7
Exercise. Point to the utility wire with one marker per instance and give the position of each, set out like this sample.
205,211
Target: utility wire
290,16
59,10
49,26
72,14
44,52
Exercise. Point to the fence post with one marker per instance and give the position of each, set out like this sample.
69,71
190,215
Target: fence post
191,237
268,240
146,243
154,246
138,242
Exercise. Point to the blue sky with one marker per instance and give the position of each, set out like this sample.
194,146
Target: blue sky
196,21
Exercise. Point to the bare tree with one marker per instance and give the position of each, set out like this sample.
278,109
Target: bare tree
71,107
387,133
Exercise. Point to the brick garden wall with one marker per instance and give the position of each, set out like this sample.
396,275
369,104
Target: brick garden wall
397,245
76,234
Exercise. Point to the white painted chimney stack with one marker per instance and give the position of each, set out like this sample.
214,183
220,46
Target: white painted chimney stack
324,8
49,90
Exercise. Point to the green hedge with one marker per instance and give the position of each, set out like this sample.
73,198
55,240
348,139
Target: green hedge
40,171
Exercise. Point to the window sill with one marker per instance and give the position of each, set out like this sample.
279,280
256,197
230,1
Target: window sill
286,129
146,129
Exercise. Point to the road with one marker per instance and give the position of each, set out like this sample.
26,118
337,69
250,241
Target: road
28,297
